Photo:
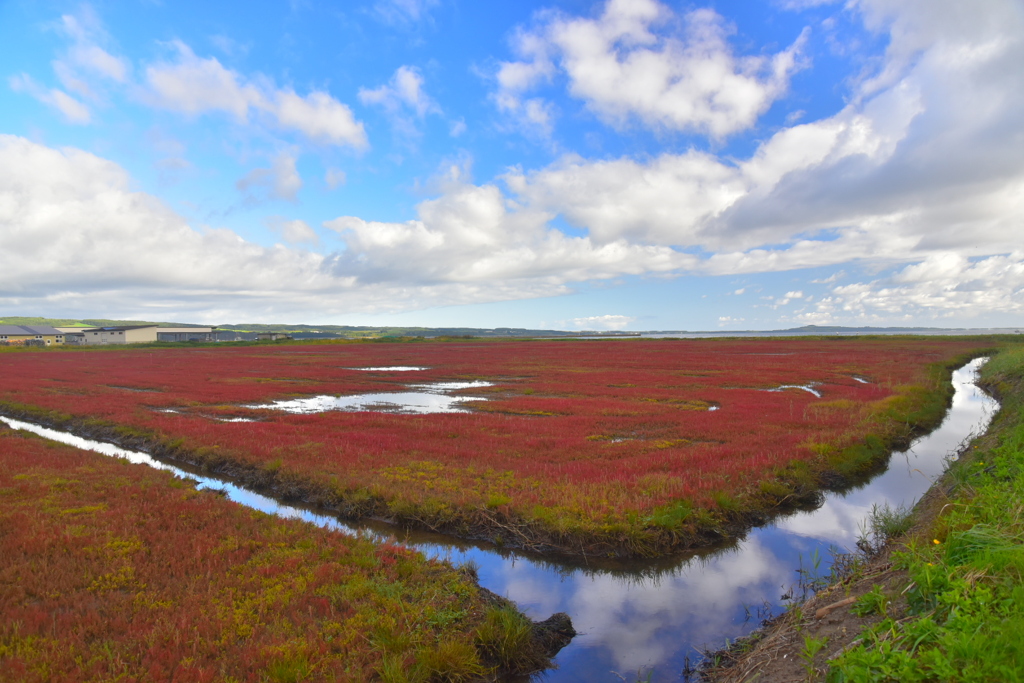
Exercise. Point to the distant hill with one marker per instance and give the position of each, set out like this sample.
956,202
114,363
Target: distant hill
311,331
373,332
90,322
358,331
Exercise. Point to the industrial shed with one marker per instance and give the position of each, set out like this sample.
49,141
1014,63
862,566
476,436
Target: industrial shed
139,334
30,335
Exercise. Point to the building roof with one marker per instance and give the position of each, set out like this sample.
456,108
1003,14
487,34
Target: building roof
23,330
186,330
117,328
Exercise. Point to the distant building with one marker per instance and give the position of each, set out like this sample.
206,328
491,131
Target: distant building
119,334
30,335
272,336
139,334
186,334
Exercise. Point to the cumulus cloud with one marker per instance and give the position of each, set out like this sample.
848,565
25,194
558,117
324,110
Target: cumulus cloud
74,236
194,86
70,223
72,228
405,90
630,64
532,115
925,165
403,100
920,174
471,234
942,286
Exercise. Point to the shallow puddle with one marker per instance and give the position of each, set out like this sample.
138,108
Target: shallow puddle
809,388
428,398
648,620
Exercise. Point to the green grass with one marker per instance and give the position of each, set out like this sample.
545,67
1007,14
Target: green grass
966,591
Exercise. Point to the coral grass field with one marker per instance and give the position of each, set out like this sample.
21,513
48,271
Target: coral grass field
619,446
112,571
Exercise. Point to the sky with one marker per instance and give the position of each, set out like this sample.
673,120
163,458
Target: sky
612,165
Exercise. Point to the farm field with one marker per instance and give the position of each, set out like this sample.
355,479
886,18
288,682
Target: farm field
113,571
622,447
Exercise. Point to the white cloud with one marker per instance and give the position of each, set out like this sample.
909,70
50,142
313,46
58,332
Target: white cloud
402,99
335,178
280,181
194,86
293,231
603,322
921,173
788,298
943,285
73,110
100,62
929,164
71,227
404,90
666,200
457,128
85,61
532,115
403,12
319,117
471,234
70,223
630,64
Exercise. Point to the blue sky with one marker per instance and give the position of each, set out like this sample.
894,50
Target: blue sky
625,164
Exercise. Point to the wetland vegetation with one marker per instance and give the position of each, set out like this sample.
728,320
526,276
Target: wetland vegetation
583,661
626,448
113,571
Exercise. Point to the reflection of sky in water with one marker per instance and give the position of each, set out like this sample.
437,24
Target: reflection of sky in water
809,388
430,398
628,621
390,368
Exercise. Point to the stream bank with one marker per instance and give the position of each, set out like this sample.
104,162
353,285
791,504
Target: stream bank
900,615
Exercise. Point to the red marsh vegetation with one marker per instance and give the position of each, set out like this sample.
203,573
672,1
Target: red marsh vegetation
111,571
613,446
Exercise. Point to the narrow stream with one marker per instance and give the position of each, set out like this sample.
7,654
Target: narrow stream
652,618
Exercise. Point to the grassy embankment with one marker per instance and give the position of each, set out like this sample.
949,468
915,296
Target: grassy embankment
112,571
961,615
858,439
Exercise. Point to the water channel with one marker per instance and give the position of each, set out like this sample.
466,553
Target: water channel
652,618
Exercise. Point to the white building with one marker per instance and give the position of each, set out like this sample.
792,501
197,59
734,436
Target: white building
138,334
